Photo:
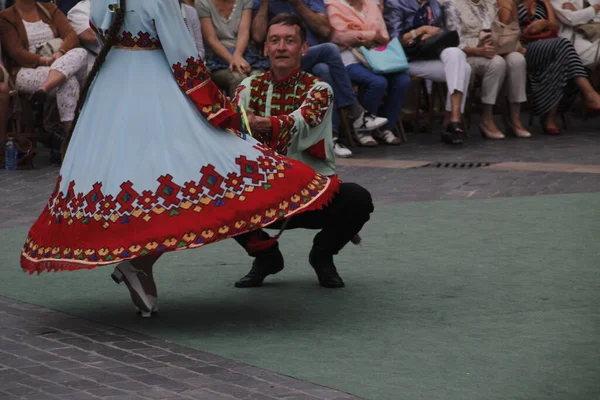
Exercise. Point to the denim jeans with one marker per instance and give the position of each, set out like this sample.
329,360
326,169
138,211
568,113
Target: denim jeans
376,86
324,61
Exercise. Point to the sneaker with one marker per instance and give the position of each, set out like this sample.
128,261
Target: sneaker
341,150
366,140
387,137
368,122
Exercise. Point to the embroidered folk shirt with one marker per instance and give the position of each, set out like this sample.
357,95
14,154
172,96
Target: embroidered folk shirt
299,108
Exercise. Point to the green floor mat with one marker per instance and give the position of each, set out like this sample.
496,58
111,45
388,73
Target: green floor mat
479,299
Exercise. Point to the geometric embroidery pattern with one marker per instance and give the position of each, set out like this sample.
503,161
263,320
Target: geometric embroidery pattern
194,79
211,187
141,41
288,96
34,254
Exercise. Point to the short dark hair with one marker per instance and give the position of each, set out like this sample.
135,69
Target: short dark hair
289,20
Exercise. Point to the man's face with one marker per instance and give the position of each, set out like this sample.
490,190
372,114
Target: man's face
284,47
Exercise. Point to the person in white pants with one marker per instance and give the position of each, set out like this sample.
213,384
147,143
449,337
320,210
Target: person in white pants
472,19
452,67
573,13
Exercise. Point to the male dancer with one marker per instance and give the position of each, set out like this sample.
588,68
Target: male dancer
291,111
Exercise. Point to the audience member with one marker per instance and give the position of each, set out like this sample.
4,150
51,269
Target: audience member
64,5
24,29
472,19
4,102
192,22
571,14
322,59
79,18
554,67
412,19
358,23
226,32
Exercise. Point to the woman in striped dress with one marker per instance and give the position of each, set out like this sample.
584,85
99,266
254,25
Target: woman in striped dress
555,69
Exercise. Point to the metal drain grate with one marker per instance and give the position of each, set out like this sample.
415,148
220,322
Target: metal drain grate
457,165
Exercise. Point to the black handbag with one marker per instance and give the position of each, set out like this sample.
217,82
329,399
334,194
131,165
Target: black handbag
432,47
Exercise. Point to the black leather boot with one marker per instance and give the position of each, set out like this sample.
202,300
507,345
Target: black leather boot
326,271
262,266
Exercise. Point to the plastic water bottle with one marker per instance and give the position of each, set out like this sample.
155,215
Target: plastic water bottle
10,155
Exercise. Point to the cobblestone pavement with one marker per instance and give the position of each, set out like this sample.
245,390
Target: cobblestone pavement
46,354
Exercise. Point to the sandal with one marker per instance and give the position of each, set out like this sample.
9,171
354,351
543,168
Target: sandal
366,140
454,134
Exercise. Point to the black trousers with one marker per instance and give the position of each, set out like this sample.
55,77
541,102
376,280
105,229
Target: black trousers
339,221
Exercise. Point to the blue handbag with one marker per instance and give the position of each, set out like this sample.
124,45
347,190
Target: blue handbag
386,59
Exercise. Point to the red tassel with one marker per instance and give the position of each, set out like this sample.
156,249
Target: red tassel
356,239
255,245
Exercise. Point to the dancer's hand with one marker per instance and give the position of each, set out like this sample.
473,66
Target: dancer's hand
56,56
258,124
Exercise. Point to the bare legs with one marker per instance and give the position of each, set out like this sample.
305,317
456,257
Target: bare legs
454,115
487,119
515,116
592,98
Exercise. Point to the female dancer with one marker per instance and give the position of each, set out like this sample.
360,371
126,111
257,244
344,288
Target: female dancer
156,162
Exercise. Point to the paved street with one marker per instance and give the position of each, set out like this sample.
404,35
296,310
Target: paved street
46,354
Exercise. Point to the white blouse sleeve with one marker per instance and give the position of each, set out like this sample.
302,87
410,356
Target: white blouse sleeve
193,21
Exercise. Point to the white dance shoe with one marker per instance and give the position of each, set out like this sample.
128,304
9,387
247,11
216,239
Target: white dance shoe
145,303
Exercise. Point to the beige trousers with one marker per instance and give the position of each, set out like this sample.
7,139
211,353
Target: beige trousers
509,69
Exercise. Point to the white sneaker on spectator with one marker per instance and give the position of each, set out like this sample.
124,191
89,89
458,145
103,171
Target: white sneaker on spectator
387,137
341,150
368,122
366,140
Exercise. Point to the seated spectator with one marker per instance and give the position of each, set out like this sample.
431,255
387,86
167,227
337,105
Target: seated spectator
571,14
226,32
471,19
4,103
322,59
63,5
555,70
291,113
26,26
411,19
79,18
192,21
358,23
